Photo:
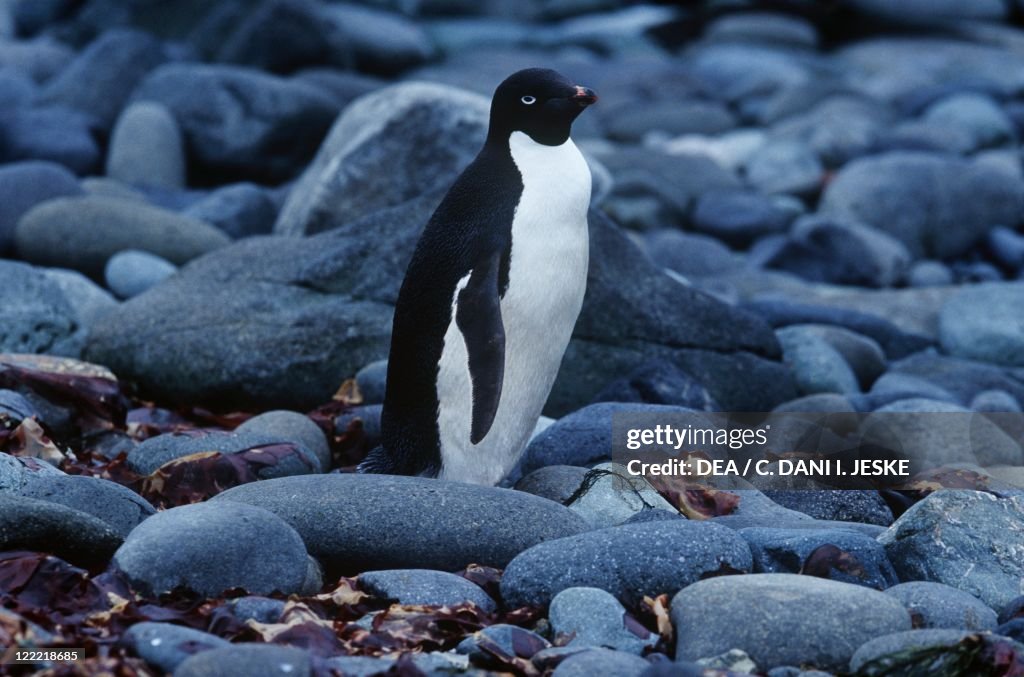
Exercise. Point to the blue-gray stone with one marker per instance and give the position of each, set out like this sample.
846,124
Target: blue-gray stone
908,640
293,427
509,639
372,381
817,366
788,167
977,116
154,452
950,537
738,218
252,660
37,315
23,185
935,605
117,506
166,645
425,586
782,619
600,661
55,134
130,272
75,536
254,607
593,617
146,147
983,322
211,547
628,561
929,274
239,210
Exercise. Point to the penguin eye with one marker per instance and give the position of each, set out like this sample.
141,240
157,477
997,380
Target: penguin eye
529,100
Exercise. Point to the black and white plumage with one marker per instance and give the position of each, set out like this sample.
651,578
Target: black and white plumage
491,294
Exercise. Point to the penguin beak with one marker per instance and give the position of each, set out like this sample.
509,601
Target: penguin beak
583,96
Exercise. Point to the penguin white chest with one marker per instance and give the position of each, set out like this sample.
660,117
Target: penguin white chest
547,281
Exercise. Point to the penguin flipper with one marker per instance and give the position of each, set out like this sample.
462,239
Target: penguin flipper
478,316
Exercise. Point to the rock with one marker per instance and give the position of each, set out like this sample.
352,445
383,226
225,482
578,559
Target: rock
376,41
510,639
166,645
688,254
1013,629
423,586
1007,247
16,471
239,123
146,147
16,89
929,274
839,555
894,192
130,272
817,366
13,410
611,496
762,27
117,506
375,138
239,210
947,537
659,382
785,167
297,459
964,379
849,505
631,124
372,381
601,661
972,273
995,401
934,605
982,322
654,515
254,660
257,608
209,548
582,438
593,617
102,77
40,59
981,120
37,315
909,640
863,355
738,218
820,249
782,619
288,330
554,482
359,522
627,561
361,666
82,233
60,135
895,342
927,12
293,427
89,300
72,535
23,185
280,36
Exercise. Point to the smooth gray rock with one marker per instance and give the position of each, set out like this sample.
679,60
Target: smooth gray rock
894,192
254,607
89,300
935,605
102,77
785,167
372,381
977,116
367,164
817,366
763,27
154,452
782,619
554,482
293,427
982,322
146,147
130,272
40,59
240,123
659,382
790,551
117,506
849,505
593,617
211,547
82,233
359,522
738,218
949,538
17,472
239,210
166,645
253,660
614,496
929,11
601,661
689,254
511,639
72,535
863,354
628,561
908,640
55,134
23,185
425,586
929,274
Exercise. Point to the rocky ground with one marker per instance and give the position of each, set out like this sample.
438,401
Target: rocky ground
206,209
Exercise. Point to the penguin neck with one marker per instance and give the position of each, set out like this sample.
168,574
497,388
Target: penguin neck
500,136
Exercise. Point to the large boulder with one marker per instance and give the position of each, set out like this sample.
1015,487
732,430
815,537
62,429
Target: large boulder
936,205
357,522
277,321
239,122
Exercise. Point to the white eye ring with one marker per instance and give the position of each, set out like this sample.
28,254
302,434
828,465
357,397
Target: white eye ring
529,100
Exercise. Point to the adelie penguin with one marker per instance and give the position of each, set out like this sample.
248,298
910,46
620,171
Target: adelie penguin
492,293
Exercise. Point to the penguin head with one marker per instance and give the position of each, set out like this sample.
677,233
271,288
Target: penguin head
539,102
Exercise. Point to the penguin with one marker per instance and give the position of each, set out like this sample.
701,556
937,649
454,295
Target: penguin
492,293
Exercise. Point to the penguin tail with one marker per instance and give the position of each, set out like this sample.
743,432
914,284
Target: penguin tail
376,462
